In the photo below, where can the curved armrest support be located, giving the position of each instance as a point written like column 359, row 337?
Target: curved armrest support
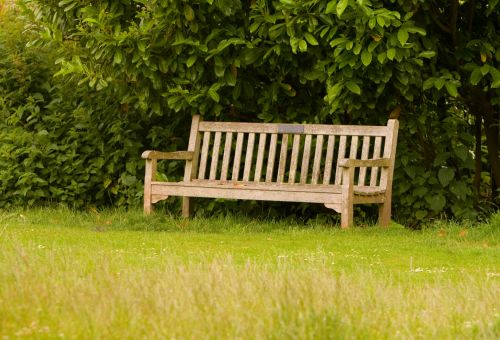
column 356, row 163
column 181, row 155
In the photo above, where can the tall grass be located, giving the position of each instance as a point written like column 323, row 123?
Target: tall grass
column 91, row 277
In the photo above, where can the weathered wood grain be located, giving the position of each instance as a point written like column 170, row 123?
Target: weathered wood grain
column 340, row 196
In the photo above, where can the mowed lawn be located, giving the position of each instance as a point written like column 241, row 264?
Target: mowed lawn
column 122, row 275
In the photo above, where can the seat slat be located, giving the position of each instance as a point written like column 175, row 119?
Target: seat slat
column 237, row 156
column 248, row 157
column 304, row 170
column 215, row 155
column 283, row 156
column 294, row 159
column 340, row 156
column 260, row 157
column 204, row 155
column 227, row 156
column 317, row 159
column 329, row 160
column 376, row 155
column 364, row 155
column 271, row 157
column 358, row 190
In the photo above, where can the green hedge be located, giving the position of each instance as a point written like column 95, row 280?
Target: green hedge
column 129, row 74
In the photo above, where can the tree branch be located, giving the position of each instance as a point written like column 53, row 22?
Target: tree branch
column 436, row 19
column 453, row 22
column 471, row 12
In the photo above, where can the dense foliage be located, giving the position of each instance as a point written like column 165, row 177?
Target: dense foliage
column 59, row 143
column 141, row 68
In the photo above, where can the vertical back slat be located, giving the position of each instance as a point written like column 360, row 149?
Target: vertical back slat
column 317, row 159
column 329, row 160
column 389, row 152
column 271, row 156
column 194, row 145
column 376, row 154
column 295, row 157
column 354, row 147
column 340, row 156
column 283, row 156
column 305, row 160
column 227, row 156
column 237, row 156
column 215, row 155
column 364, row 155
column 260, row 157
column 204, row 155
column 248, row 157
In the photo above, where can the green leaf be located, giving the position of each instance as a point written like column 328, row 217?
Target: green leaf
column 495, row 74
column 420, row 214
column 476, row 76
column 302, row 45
column 353, row 87
column 251, row 55
column 334, row 91
column 436, row 202
column 366, row 57
column 341, row 6
column 310, row 39
column 451, row 88
column 445, row 175
column 381, row 57
column 485, row 69
column 414, row 29
column 357, row 49
column 403, row 36
column 331, row 7
column 141, row 45
column 428, row 83
column 230, row 78
column 188, row 13
column 427, row 54
column 391, row 53
column 212, row 92
column 219, row 70
column 380, row 21
column 372, row 22
column 117, row 59
column 439, row 83
column 459, row 188
column 337, row 41
column 191, row 60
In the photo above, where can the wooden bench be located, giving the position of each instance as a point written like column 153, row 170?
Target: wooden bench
column 336, row 165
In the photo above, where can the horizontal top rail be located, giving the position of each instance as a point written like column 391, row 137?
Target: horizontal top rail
column 305, row 129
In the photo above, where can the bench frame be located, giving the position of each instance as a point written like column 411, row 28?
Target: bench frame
column 340, row 196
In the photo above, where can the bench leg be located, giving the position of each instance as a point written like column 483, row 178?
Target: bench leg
column 346, row 216
column 148, row 178
column 187, row 207
column 384, row 213
column 347, row 208
column 148, row 206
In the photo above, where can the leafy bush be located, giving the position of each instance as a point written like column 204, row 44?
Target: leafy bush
column 142, row 68
column 59, row 142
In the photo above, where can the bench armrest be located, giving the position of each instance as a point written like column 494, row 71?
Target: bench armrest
column 356, row 163
column 182, row 155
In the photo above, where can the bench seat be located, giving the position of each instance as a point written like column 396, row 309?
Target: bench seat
column 308, row 193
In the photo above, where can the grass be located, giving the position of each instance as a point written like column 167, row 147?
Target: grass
column 121, row 275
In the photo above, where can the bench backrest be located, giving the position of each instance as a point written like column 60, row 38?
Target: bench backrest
column 288, row 153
